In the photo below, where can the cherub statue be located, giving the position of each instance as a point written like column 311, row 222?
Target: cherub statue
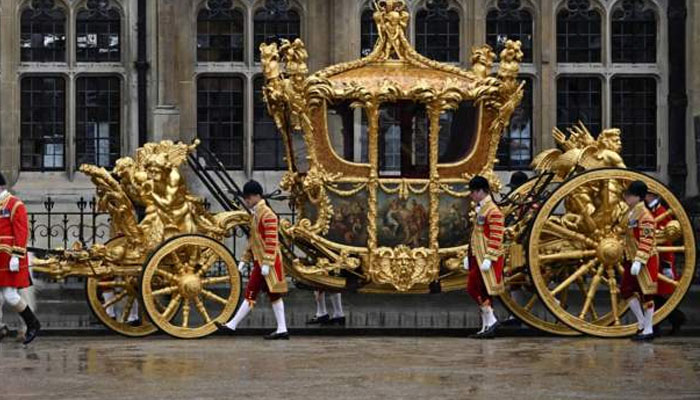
column 482, row 61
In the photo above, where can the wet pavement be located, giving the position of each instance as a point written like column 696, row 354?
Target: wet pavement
column 312, row 367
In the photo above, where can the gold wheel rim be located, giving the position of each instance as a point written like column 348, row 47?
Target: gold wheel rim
column 117, row 323
column 94, row 287
column 598, row 272
column 181, row 294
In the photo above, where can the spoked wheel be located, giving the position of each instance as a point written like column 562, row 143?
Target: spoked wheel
column 575, row 251
column 115, row 302
column 520, row 296
column 189, row 282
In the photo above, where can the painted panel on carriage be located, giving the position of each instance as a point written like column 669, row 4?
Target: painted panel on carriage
column 454, row 219
column 402, row 221
column 349, row 221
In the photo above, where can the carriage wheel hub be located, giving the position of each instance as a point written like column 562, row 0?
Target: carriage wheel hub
column 610, row 251
column 190, row 285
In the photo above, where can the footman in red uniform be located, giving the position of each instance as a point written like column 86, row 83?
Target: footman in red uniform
column 667, row 263
column 267, row 274
column 641, row 265
column 484, row 260
column 14, row 266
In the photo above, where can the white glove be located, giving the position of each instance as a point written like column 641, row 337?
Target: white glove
column 486, row 265
column 636, row 267
column 265, row 270
column 668, row 272
column 14, row 264
column 465, row 263
column 241, row 266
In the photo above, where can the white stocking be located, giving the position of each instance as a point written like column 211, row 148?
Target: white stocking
column 278, row 308
column 337, row 304
column 637, row 311
column 489, row 317
column 320, row 303
column 134, row 312
column 648, row 320
column 108, row 296
column 240, row 314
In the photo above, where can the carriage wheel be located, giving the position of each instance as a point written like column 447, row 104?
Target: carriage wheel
column 575, row 252
column 189, row 282
column 112, row 300
column 520, row 296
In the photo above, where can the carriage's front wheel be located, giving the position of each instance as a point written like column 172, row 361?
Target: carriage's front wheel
column 189, row 282
column 114, row 300
column 576, row 250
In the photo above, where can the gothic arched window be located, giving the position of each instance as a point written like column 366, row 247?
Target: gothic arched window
column 509, row 21
column 369, row 34
column 578, row 33
column 633, row 32
column 43, row 32
column 43, row 127
column 220, row 117
column 220, row 36
column 275, row 20
column 98, row 120
column 437, row 31
column 635, row 114
column 98, row 32
column 579, row 98
column 268, row 148
column 515, row 149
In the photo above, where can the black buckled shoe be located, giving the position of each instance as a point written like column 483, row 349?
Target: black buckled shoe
column 319, row 320
column 489, row 333
column 4, row 332
column 335, row 321
column 643, row 338
column 224, row 329
column 277, row 336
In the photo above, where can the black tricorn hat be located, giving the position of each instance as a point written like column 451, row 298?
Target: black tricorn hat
column 637, row 188
column 252, row 188
column 3, row 182
column 517, row 179
column 479, row 183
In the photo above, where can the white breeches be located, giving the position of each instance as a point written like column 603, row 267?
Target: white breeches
column 13, row 299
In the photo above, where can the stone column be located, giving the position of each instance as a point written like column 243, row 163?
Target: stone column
column 166, row 116
column 344, row 36
column 677, row 97
column 9, row 91
column 547, row 112
column 318, row 31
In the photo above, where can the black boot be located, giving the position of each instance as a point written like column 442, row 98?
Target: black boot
column 677, row 319
column 32, row 323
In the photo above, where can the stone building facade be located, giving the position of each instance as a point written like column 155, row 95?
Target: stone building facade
column 89, row 80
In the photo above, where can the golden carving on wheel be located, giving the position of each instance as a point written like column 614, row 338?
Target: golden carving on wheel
column 397, row 217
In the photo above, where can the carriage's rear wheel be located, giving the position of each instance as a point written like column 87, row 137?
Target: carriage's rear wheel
column 115, row 302
column 189, row 282
column 575, row 251
column 520, row 296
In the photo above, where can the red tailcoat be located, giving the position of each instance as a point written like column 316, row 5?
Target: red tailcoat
column 668, row 259
column 640, row 245
column 263, row 249
column 486, row 243
column 13, row 242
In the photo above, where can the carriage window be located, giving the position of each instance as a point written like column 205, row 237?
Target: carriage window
column 300, row 153
column 347, row 129
column 403, row 140
column 457, row 133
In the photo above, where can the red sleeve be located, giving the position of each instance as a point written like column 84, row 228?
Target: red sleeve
column 268, row 232
column 496, row 227
column 19, row 225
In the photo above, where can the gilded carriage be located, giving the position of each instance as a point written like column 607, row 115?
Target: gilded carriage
column 379, row 153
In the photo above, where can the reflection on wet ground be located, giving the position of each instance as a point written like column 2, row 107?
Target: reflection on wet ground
column 350, row 368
